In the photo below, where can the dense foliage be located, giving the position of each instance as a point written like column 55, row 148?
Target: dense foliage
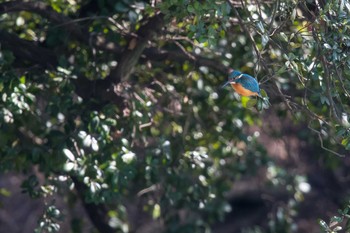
column 118, row 103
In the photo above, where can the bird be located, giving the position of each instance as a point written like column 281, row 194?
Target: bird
column 243, row 84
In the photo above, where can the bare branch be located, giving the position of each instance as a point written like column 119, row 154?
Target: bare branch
column 321, row 142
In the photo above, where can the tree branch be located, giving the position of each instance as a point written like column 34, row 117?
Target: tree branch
column 32, row 53
column 25, row 50
column 131, row 54
column 70, row 25
column 155, row 54
column 97, row 212
column 128, row 58
column 45, row 11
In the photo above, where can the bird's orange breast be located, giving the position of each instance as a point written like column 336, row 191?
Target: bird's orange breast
column 243, row 91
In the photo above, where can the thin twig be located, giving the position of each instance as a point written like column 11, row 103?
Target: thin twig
column 145, row 125
column 244, row 27
column 341, row 80
column 184, row 50
column 322, row 145
column 327, row 79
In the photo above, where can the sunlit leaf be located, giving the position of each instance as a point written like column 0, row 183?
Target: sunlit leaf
column 69, row 154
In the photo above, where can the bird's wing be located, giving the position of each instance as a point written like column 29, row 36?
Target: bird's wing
column 250, row 83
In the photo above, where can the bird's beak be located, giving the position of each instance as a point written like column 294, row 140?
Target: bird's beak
column 227, row 83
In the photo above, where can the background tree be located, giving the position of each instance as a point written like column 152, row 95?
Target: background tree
column 117, row 104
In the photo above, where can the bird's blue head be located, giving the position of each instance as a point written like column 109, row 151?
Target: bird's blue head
column 233, row 75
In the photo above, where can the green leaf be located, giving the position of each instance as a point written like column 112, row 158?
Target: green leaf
column 68, row 166
column 121, row 7
column 259, row 105
column 244, row 100
column 264, row 40
column 324, row 100
column 4, row 192
column 69, row 154
column 132, row 16
column 284, row 37
column 324, row 225
column 22, row 79
column 327, row 46
column 190, row 8
column 263, row 93
column 293, row 15
column 336, row 219
column 261, row 27
column 251, row 103
column 156, row 211
column 345, row 142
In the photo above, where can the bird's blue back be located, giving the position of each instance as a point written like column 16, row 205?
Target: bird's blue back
column 248, row 82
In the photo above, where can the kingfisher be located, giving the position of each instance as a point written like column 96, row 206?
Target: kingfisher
column 243, row 84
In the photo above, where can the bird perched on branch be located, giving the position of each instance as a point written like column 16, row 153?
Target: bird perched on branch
column 243, row 84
